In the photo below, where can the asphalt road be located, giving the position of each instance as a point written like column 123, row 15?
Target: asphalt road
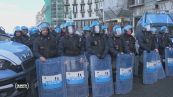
column 163, row 88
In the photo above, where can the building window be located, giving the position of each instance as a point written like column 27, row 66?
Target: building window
column 82, row 2
column 89, row 1
column 75, row 15
column 75, row 8
column 82, row 8
column 66, row 2
column 96, row 1
column 81, row 24
column 83, row 15
column 90, row 14
column 66, row 9
column 74, row 2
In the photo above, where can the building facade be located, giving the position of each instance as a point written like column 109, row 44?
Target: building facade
column 83, row 12
column 40, row 17
column 53, row 11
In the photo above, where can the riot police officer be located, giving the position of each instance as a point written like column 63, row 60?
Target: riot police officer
column 70, row 44
column 149, row 40
column 63, row 29
column 18, row 35
column 25, row 32
column 115, row 41
column 86, row 35
column 45, row 44
column 105, row 29
column 58, row 34
column 164, row 40
column 128, row 40
column 34, row 33
column 97, row 44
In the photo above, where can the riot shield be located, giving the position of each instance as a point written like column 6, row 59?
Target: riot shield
column 169, row 61
column 51, row 81
column 101, row 75
column 149, row 67
column 76, row 76
column 159, row 66
column 124, row 73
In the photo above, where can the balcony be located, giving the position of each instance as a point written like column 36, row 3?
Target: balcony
column 96, row 10
column 89, row 10
column 136, row 3
column 66, row 4
column 74, row 11
column 82, row 11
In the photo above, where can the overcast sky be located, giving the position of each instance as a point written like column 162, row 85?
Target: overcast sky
column 18, row 12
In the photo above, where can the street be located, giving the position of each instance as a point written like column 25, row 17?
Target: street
column 163, row 88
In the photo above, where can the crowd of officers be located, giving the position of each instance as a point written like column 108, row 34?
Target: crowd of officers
column 96, row 39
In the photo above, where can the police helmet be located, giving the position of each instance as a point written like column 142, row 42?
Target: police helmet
column 57, row 29
column 127, row 28
column 43, row 26
column 86, row 28
column 24, row 28
column 95, row 23
column 117, row 30
column 164, row 29
column 33, row 31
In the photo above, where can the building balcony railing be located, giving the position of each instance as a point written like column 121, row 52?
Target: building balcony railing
column 96, row 10
column 82, row 11
column 136, row 3
column 66, row 4
column 74, row 11
column 89, row 10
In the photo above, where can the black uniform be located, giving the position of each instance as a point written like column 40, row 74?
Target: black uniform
column 21, row 39
column 32, row 39
column 97, row 45
column 45, row 46
column 128, row 44
column 163, row 42
column 71, row 45
column 148, row 42
column 116, row 45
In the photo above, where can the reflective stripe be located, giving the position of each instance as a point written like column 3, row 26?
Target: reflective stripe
column 10, row 57
column 6, row 86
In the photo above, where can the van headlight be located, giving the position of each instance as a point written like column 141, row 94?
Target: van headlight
column 8, row 65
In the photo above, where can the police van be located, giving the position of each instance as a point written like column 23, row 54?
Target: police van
column 154, row 19
column 17, row 70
